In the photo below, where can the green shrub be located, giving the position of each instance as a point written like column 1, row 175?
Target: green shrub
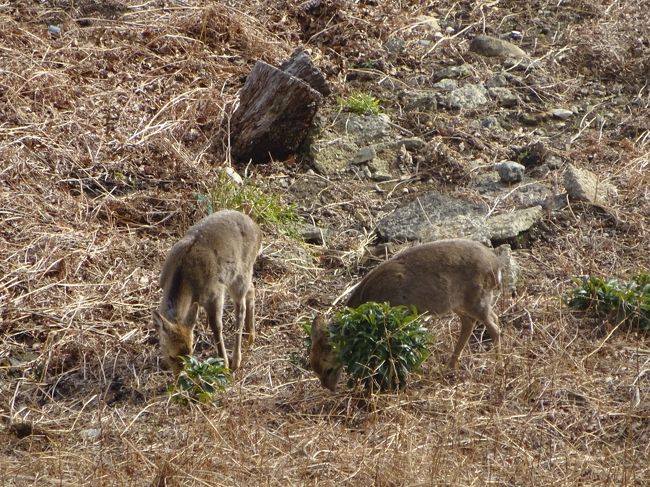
column 268, row 209
column 200, row 381
column 380, row 345
column 360, row 103
column 625, row 300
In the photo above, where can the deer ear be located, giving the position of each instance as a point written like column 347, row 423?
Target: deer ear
column 318, row 328
column 162, row 324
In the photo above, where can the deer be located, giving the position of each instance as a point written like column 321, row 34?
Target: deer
column 437, row 277
column 214, row 257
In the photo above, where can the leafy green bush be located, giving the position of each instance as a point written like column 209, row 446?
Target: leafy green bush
column 200, row 381
column 268, row 209
column 380, row 345
column 626, row 300
column 360, row 103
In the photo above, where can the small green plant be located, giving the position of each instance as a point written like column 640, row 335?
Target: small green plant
column 380, row 345
column 200, row 381
column 360, row 103
column 268, row 209
column 626, row 300
column 299, row 358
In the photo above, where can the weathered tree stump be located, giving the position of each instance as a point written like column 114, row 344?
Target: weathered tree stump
column 276, row 109
column 300, row 66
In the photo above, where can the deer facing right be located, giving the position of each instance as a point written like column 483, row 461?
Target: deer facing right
column 447, row 275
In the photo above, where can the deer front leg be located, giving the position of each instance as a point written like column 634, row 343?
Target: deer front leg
column 249, row 323
column 215, row 320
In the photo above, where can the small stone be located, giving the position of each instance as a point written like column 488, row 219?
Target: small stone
column 428, row 22
column 490, row 123
column 584, row 185
column 363, row 155
column 313, row 234
column 233, row 175
column 498, row 81
column 504, row 96
column 467, row 97
column 394, row 45
column 493, row 47
column 532, row 119
column 553, row 161
column 410, row 143
column 510, row 171
column 446, row 85
column 562, row 113
column 90, row 433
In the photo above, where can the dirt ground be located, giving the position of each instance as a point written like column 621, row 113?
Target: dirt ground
column 113, row 124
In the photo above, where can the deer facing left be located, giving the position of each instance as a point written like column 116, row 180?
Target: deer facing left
column 215, row 257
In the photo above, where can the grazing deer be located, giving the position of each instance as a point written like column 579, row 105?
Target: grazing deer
column 438, row 277
column 215, row 255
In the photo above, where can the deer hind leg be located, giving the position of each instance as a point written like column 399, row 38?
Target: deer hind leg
column 466, row 329
column 215, row 320
column 249, row 322
column 482, row 311
column 240, row 319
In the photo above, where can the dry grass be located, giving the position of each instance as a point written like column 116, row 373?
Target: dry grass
column 107, row 132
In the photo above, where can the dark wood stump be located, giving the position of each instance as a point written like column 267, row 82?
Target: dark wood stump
column 300, row 66
column 275, row 112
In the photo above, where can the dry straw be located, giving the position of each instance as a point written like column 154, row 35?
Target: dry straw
column 109, row 128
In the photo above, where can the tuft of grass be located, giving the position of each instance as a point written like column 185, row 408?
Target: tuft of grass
column 380, row 345
column 360, row 103
column 626, row 300
column 268, row 209
column 200, row 381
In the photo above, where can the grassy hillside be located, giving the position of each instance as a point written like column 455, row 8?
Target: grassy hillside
column 113, row 134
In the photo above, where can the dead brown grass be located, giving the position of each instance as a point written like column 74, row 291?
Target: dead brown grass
column 109, row 129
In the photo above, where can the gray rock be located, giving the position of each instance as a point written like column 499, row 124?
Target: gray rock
column 518, row 64
column 583, row 185
column 453, row 72
column 394, row 45
column 380, row 168
column 523, row 196
column 419, row 100
column 504, row 96
column 364, row 128
column 434, row 216
column 553, row 162
column 411, row 143
column 428, row 23
column 562, row 113
column 434, row 208
column 498, row 81
column 467, row 97
column 493, row 47
column 511, row 224
column 365, row 154
column 446, row 84
column 313, row 234
column 461, row 226
column 490, row 123
column 510, row 171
